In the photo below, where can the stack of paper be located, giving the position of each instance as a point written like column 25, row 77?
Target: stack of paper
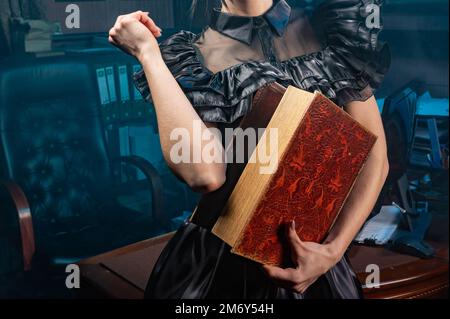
column 380, row 229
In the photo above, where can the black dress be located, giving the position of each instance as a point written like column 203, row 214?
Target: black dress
column 333, row 49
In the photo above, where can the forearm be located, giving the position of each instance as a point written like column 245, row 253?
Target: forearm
column 368, row 185
column 312, row 260
column 174, row 111
column 136, row 34
column 358, row 206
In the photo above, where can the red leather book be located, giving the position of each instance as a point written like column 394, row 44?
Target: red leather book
column 320, row 152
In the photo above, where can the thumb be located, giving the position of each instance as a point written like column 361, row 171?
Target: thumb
column 296, row 244
column 150, row 24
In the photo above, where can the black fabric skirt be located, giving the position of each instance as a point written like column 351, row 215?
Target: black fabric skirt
column 196, row 264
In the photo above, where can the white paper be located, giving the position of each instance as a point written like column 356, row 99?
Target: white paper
column 380, row 228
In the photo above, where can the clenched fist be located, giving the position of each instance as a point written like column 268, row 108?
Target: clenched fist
column 136, row 34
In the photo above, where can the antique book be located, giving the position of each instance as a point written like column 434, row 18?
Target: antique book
column 264, row 104
column 320, row 152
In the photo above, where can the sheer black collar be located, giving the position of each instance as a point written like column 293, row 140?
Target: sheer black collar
column 241, row 28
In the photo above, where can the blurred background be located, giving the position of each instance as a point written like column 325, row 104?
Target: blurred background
column 80, row 150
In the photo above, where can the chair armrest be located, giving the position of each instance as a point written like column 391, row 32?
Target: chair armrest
column 155, row 181
column 21, row 207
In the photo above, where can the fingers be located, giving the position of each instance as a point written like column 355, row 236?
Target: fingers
column 114, row 43
column 150, row 24
column 140, row 16
column 301, row 288
column 284, row 277
column 137, row 14
column 295, row 242
column 144, row 18
column 279, row 273
column 112, row 35
column 289, row 278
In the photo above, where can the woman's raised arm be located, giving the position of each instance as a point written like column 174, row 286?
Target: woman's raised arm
column 136, row 34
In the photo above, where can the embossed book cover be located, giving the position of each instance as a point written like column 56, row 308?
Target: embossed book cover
column 321, row 151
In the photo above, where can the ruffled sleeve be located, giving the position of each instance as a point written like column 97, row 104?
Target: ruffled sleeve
column 353, row 57
column 217, row 97
column 181, row 59
column 351, row 64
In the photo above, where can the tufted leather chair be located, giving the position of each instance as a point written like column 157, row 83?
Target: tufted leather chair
column 53, row 154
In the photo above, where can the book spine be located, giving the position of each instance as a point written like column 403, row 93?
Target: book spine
column 235, row 249
column 239, row 208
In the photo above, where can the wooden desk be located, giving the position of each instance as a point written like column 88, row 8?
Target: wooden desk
column 123, row 273
column 402, row 276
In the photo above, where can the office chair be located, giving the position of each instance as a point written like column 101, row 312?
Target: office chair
column 398, row 118
column 57, row 196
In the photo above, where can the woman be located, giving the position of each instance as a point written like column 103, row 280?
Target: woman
column 210, row 77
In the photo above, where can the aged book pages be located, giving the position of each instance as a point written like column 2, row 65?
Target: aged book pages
column 244, row 199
